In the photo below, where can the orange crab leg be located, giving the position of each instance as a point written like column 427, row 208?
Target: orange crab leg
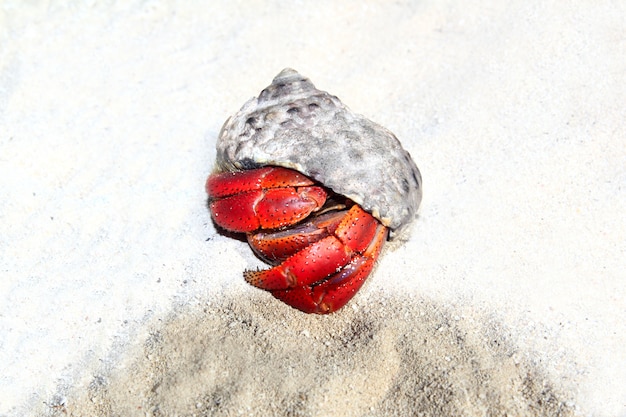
column 334, row 293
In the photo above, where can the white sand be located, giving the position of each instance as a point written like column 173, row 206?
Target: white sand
column 507, row 296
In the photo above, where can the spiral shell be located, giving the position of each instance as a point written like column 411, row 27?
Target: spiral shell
column 294, row 125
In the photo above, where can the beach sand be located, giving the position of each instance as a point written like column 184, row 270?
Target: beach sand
column 505, row 296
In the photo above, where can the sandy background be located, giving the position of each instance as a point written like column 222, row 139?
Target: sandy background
column 117, row 296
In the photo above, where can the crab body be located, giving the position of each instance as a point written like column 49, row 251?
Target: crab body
column 316, row 188
column 321, row 262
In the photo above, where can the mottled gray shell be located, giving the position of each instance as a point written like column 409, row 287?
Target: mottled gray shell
column 294, row 125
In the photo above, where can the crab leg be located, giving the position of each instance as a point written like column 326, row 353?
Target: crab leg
column 323, row 258
column 334, row 293
column 276, row 246
column 315, row 262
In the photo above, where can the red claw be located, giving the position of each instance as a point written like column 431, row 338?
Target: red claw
column 232, row 183
column 266, row 198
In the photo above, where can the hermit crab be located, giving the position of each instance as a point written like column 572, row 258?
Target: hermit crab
column 316, row 189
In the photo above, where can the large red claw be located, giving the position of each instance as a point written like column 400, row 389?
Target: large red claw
column 267, row 198
column 237, row 212
column 286, row 206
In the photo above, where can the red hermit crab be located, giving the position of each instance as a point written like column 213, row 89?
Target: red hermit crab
column 316, row 188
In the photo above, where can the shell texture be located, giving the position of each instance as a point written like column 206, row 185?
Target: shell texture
column 294, row 125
